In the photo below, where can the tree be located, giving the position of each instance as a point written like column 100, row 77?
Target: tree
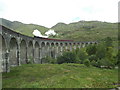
column 101, row 51
column 86, row 62
column 108, row 42
column 67, row 57
column 93, row 57
column 91, row 49
column 109, row 52
column 82, row 55
column 118, row 58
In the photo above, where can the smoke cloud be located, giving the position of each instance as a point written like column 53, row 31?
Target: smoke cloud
column 38, row 34
column 50, row 32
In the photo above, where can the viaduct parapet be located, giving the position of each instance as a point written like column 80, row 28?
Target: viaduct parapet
column 17, row 49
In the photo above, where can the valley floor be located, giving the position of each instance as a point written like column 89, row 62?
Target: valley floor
column 59, row 76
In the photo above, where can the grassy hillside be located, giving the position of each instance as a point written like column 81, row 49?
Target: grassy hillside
column 26, row 29
column 87, row 30
column 60, row 76
column 78, row 31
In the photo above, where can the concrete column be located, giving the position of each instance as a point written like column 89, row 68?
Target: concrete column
column 41, row 55
column 45, row 51
column 83, row 45
column 42, row 52
column 53, row 52
column 79, row 46
column 48, row 51
column 7, row 61
column 88, row 43
column 57, row 51
column 27, row 54
column 18, row 55
column 18, row 52
column 74, row 47
column 66, row 47
column 61, row 50
column 70, row 47
column 1, row 59
column 33, row 51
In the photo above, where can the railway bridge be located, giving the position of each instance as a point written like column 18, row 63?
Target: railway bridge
column 17, row 49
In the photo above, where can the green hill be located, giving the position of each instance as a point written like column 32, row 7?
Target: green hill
column 87, row 30
column 22, row 28
column 78, row 31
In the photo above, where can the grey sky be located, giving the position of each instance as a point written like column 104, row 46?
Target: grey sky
column 50, row 12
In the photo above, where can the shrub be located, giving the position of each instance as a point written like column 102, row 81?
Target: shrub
column 43, row 60
column 50, row 60
column 30, row 61
column 98, row 63
column 86, row 62
column 93, row 57
column 67, row 57
column 76, row 51
column 108, row 42
column 101, row 51
column 91, row 49
column 109, row 52
column 105, row 63
column 94, row 63
column 77, row 60
column 82, row 55
column 118, row 58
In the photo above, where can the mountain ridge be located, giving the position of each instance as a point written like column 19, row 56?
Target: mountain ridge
column 78, row 31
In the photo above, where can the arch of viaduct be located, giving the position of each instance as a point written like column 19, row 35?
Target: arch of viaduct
column 20, row 49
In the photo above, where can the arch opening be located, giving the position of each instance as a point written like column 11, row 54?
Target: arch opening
column 42, row 50
column 48, row 49
column 57, row 49
column 52, row 50
column 66, row 47
column 61, row 48
column 37, row 53
column 30, row 51
column 70, row 46
column 13, row 56
column 23, row 52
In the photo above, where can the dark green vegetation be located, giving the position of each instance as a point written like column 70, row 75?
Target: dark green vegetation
column 78, row 31
column 60, row 76
column 101, row 55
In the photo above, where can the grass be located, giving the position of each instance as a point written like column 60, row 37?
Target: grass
column 59, row 76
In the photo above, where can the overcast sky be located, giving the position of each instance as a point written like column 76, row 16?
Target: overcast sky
column 50, row 12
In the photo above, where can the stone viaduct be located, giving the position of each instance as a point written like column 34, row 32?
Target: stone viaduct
column 17, row 49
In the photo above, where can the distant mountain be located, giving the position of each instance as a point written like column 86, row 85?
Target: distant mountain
column 22, row 28
column 86, row 30
column 78, row 31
